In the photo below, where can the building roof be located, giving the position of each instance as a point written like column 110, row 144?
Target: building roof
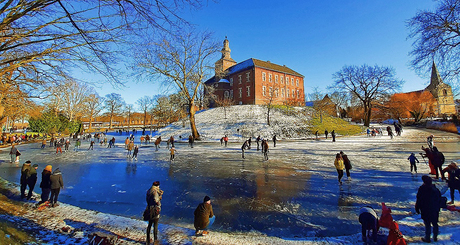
column 249, row 63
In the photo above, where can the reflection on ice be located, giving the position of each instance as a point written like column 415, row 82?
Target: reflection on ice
column 294, row 194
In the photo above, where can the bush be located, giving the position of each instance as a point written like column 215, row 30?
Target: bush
column 444, row 126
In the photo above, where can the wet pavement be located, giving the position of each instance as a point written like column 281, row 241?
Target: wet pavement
column 293, row 194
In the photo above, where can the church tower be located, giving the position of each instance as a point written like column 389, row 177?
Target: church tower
column 442, row 93
column 225, row 61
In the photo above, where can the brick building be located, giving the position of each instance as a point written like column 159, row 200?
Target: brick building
column 254, row 82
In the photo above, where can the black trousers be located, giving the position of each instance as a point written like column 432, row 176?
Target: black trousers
column 45, row 194
column 153, row 222
column 31, row 189
column 54, row 195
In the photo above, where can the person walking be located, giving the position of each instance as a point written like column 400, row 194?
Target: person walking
column 24, row 175
column 326, row 133
column 338, row 162
column 333, row 135
column 56, row 184
column 13, row 153
column 91, row 145
column 430, row 142
column 347, row 164
column 43, row 143
column 173, row 151
column 453, row 179
column 190, row 141
column 412, row 159
column 430, row 155
column 153, row 198
column 32, row 180
column 438, row 161
column 171, row 140
column 77, row 145
column 225, row 140
column 45, row 185
column 429, row 204
column 274, row 140
column 67, row 144
column 258, row 142
column 204, row 217
column 316, row 134
column 58, row 147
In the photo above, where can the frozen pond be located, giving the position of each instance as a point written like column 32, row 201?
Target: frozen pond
column 294, row 194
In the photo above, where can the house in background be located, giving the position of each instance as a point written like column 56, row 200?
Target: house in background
column 254, row 82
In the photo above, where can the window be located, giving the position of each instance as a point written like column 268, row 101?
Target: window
column 247, row 77
column 282, row 79
column 298, row 94
column 264, row 77
column 287, row 80
column 297, row 82
column 239, row 79
column 276, row 92
column 444, row 92
column 282, row 92
column 240, row 91
column 231, row 82
column 264, row 91
column 226, row 94
column 287, row 92
column 270, row 77
column 276, row 78
column 270, row 91
column 248, row 91
column 293, row 93
column 292, row 81
column 231, row 94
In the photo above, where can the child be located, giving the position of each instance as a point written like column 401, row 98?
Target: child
column 172, row 150
column 412, row 160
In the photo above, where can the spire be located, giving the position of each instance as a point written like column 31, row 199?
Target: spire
column 226, row 50
column 435, row 77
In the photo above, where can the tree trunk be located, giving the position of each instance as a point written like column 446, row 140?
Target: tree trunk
column 111, row 121
column 191, row 114
column 367, row 115
column 90, row 123
column 268, row 115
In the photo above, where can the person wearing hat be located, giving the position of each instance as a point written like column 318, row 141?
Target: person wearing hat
column 453, row 181
column 46, row 184
column 204, row 216
column 429, row 204
column 24, row 173
column 32, row 180
column 56, row 184
column 154, row 196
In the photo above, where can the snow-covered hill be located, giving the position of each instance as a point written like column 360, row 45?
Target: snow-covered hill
column 243, row 121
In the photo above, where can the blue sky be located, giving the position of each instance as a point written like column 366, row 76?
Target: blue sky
column 313, row 37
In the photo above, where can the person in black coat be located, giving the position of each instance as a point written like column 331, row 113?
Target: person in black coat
column 24, row 175
column 347, row 164
column 32, row 180
column 438, row 161
column 429, row 204
column 453, row 181
column 46, row 184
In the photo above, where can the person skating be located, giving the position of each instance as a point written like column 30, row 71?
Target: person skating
column 32, row 180
column 171, row 140
column 265, row 149
column 333, row 135
column 326, row 133
column 153, row 198
column 91, row 145
column 428, row 203
column 13, row 152
column 369, row 221
column 338, row 163
column 157, row 143
column 77, row 145
column 274, row 140
column 258, row 142
column 204, row 217
column 222, row 141
column 130, row 148
column 316, row 134
column 45, row 185
column 190, row 141
column 172, row 152
column 438, row 161
column 24, row 176
column 243, row 148
column 390, row 132
column 453, row 179
column 430, row 155
column 66, row 145
column 43, row 143
column 225, row 140
column 56, row 184
column 412, row 159
column 135, row 152
column 126, row 142
column 347, row 164
column 430, row 142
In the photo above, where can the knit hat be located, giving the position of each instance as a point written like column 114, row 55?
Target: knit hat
column 28, row 161
column 427, row 180
column 49, row 168
column 206, row 198
column 156, row 183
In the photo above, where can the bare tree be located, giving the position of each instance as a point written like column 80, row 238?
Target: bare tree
column 145, row 105
column 181, row 58
column 320, row 107
column 93, row 105
column 114, row 105
column 225, row 103
column 129, row 110
column 436, row 36
column 74, row 96
column 367, row 83
column 41, row 39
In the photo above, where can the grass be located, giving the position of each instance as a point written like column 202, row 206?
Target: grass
column 340, row 126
